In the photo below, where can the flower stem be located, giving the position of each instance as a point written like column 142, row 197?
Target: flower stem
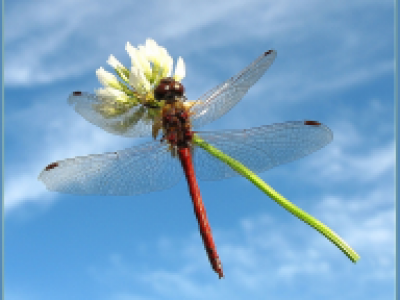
column 298, row 212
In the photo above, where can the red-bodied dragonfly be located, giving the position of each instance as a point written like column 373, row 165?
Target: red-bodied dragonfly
column 158, row 164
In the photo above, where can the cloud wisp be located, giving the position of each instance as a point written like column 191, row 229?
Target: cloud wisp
column 49, row 45
column 265, row 253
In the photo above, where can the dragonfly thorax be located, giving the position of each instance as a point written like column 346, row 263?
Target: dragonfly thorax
column 169, row 90
column 176, row 125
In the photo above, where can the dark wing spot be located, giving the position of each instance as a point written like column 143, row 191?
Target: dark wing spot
column 51, row 166
column 77, row 93
column 268, row 52
column 315, row 123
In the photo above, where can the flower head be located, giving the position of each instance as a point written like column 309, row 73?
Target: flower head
column 149, row 64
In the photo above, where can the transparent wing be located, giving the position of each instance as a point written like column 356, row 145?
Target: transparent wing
column 218, row 101
column 141, row 169
column 118, row 118
column 260, row 148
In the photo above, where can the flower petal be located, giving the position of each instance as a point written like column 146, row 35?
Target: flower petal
column 165, row 62
column 152, row 51
column 144, row 63
column 138, row 80
column 113, row 62
column 106, row 78
column 119, row 68
column 109, row 92
column 180, row 71
column 132, row 51
column 139, row 59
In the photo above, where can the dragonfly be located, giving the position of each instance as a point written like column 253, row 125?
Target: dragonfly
column 158, row 164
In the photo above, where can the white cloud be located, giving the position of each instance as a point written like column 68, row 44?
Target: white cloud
column 32, row 37
column 362, row 151
column 71, row 34
column 291, row 270
column 264, row 252
column 63, row 135
column 23, row 189
column 342, row 166
column 303, row 85
column 48, row 41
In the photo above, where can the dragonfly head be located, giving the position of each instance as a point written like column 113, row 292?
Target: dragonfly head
column 169, row 90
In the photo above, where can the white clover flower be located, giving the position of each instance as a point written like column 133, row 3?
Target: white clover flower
column 154, row 62
column 150, row 63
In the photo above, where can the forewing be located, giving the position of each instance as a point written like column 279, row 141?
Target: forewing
column 218, row 101
column 260, row 148
column 141, row 169
column 118, row 118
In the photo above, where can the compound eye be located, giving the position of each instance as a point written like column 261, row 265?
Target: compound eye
column 161, row 90
column 168, row 89
column 179, row 89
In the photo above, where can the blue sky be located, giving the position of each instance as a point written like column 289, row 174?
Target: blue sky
column 334, row 64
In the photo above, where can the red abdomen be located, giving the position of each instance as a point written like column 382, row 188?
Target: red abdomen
column 205, row 230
